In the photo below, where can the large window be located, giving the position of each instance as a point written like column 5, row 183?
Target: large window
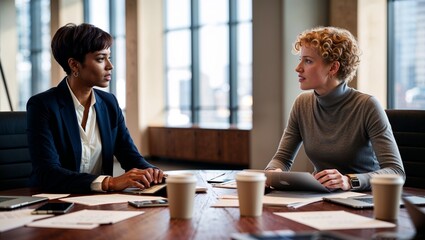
column 406, row 54
column 110, row 17
column 208, row 62
column 33, row 56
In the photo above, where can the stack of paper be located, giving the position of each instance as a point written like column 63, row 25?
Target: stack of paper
column 85, row 219
column 18, row 218
column 282, row 198
column 334, row 220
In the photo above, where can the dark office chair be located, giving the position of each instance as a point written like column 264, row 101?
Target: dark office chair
column 409, row 132
column 15, row 162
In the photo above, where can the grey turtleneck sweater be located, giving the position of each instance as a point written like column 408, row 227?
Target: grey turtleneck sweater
column 345, row 130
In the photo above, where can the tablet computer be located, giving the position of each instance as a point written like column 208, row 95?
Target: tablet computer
column 367, row 201
column 294, row 181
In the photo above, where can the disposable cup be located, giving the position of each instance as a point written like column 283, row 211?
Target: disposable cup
column 386, row 191
column 250, row 187
column 181, row 194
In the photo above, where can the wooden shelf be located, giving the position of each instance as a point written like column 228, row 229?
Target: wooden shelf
column 223, row 146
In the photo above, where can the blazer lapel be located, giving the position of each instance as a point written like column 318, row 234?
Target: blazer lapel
column 104, row 125
column 69, row 118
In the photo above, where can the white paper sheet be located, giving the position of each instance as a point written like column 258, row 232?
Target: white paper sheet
column 228, row 184
column 299, row 199
column 232, row 201
column 14, row 219
column 282, row 198
column 99, row 199
column 85, row 219
column 296, row 195
column 334, row 220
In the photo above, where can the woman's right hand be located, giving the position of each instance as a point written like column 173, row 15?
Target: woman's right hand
column 272, row 170
column 140, row 178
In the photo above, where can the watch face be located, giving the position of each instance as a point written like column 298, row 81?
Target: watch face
column 355, row 183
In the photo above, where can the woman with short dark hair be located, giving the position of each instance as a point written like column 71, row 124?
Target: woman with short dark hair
column 76, row 130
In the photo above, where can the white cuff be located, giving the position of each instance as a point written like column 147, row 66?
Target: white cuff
column 96, row 185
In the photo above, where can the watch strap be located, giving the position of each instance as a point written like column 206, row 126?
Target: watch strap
column 354, row 181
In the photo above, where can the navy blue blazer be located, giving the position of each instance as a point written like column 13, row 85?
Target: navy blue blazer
column 55, row 144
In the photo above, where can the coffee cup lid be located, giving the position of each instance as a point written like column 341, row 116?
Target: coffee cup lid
column 387, row 179
column 250, row 176
column 181, row 178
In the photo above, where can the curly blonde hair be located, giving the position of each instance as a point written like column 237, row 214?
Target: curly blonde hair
column 333, row 44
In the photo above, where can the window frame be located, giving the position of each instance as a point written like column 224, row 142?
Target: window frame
column 392, row 98
column 115, row 33
column 194, row 28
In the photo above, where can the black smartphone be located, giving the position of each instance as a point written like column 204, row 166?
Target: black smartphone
column 53, row 208
column 219, row 179
column 149, row 203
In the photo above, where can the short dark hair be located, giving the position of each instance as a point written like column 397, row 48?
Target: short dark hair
column 75, row 41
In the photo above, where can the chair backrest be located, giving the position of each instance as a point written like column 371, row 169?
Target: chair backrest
column 409, row 132
column 15, row 162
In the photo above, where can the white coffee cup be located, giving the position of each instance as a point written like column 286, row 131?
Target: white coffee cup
column 250, row 187
column 386, row 191
column 181, row 190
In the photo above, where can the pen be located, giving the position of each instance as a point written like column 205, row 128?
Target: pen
column 218, row 176
column 93, row 223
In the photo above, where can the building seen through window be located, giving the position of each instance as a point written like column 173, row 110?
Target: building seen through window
column 34, row 58
column 208, row 46
column 208, row 68
column 406, row 69
column 110, row 17
column 208, row 56
column 33, row 55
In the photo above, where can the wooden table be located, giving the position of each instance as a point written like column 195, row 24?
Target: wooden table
column 207, row 222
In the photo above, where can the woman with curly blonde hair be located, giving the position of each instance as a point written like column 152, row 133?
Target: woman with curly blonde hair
column 346, row 134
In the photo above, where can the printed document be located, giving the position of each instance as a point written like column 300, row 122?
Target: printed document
column 85, row 219
column 334, row 220
column 284, row 198
column 99, row 199
column 14, row 219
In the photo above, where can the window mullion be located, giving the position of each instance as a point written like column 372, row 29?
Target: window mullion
column 36, row 48
column 390, row 62
column 233, row 74
column 195, row 100
column 113, row 31
column 86, row 10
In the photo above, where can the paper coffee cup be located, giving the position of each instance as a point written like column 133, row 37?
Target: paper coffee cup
column 250, row 187
column 181, row 194
column 386, row 191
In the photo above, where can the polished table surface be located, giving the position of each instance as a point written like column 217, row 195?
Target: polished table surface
column 207, row 222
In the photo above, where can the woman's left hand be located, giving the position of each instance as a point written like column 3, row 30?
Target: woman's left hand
column 332, row 178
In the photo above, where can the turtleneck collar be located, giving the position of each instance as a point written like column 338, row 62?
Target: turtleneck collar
column 335, row 96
